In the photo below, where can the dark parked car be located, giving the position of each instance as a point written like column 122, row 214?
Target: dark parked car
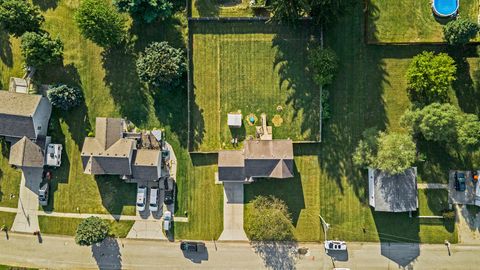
column 460, row 180
column 192, row 246
column 169, row 191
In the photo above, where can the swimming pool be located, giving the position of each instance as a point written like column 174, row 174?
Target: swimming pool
column 445, row 8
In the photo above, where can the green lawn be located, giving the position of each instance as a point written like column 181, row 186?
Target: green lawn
column 9, row 179
column 215, row 8
column 7, row 219
column 410, row 20
column 203, row 200
column 252, row 68
column 68, row 226
column 432, row 202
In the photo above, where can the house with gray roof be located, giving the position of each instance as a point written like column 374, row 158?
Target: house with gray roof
column 393, row 193
column 115, row 151
column 258, row 159
column 23, row 115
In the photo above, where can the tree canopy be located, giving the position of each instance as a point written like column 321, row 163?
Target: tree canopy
column 64, row 97
column 39, row 49
column 430, row 76
column 460, row 31
column 444, row 123
column 288, row 11
column 161, row 64
column 269, row 220
column 328, row 12
column 20, row 16
column 145, row 10
column 396, row 152
column 324, row 64
column 100, row 22
column 90, row 231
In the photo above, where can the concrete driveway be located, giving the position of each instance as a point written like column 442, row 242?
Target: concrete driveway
column 461, row 197
column 233, row 213
column 26, row 219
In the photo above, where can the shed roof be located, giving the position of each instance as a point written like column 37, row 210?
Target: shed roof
column 234, row 119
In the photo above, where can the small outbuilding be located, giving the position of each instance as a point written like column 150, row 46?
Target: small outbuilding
column 393, row 193
column 234, row 120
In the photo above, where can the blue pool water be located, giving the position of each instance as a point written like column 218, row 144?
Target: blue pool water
column 445, row 7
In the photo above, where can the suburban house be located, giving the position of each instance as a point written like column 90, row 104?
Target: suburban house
column 393, row 193
column 258, row 159
column 24, row 123
column 23, row 115
column 116, row 151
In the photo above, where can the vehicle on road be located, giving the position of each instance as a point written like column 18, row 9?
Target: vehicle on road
column 167, row 220
column 189, row 246
column 43, row 194
column 54, row 155
column 460, row 181
column 153, row 204
column 169, row 191
column 141, row 197
column 335, row 245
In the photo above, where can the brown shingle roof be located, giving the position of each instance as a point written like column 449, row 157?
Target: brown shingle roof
column 18, row 104
column 26, row 153
column 145, row 164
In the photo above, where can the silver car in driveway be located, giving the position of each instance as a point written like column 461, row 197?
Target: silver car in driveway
column 141, row 198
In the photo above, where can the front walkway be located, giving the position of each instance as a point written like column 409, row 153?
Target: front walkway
column 26, row 219
column 233, row 213
column 432, row 186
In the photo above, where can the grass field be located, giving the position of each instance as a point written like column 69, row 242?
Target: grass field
column 68, row 226
column 231, row 8
column 7, row 219
column 410, row 20
column 252, row 68
column 9, row 179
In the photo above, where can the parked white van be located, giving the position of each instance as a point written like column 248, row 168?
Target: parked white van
column 141, row 197
column 153, row 205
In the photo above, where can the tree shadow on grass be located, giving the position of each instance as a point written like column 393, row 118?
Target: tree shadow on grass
column 276, row 255
column 6, row 54
column 126, row 89
column 115, row 193
column 466, row 90
column 197, row 123
column 291, row 63
column 45, row 5
column 288, row 190
column 169, row 30
column 170, row 108
column 396, row 227
column 206, row 8
column 107, row 254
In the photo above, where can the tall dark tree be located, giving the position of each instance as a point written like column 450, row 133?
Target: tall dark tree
column 161, row 64
column 327, row 12
column 20, row 16
column 100, row 22
column 39, row 49
column 145, row 10
column 288, row 11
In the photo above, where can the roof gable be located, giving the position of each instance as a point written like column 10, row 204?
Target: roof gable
column 26, row 153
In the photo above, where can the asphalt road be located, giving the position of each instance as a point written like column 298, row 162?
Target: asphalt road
column 62, row 252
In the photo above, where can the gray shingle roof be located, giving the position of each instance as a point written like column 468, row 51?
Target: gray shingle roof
column 26, row 153
column 145, row 164
column 396, row 193
column 272, row 159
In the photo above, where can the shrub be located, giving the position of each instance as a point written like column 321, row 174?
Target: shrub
column 99, row 22
column 324, row 64
column 39, row 49
column 64, row 97
column 448, row 214
column 90, row 231
column 269, row 220
column 430, row 76
column 460, row 31
column 20, row 16
column 145, row 10
column 161, row 64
